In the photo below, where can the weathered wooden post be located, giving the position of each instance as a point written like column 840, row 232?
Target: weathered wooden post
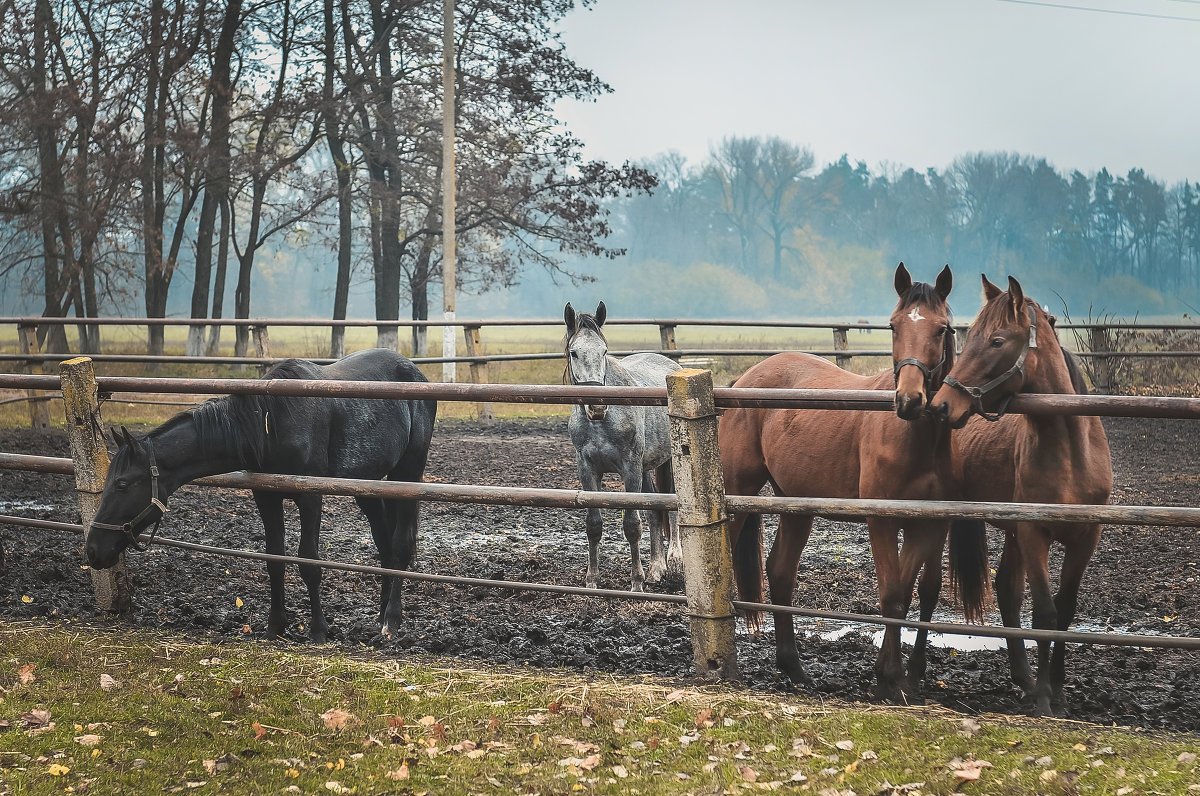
column 90, row 455
column 479, row 370
column 841, row 342
column 1103, row 377
column 262, row 345
column 39, row 404
column 703, row 524
column 666, row 336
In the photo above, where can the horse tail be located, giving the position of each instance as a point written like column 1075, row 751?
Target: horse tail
column 969, row 567
column 748, row 568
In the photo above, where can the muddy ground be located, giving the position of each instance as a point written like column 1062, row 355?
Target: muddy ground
column 1143, row 579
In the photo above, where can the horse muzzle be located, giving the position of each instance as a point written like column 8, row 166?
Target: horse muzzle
column 595, row 412
column 102, row 555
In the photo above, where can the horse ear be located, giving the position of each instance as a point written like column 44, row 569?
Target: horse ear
column 127, row 438
column 990, row 291
column 601, row 313
column 110, row 442
column 903, row 280
column 1017, row 295
column 569, row 317
column 944, row 283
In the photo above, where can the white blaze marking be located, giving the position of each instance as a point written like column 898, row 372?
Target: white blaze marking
column 916, row 315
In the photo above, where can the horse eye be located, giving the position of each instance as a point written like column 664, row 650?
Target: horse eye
column 997, row 342
column 941, row 332
column 574, row 354
column 122, row 483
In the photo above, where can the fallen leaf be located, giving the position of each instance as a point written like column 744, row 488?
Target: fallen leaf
column 1187, row 758
column 107, row 682
column 245, row 628
column 748, row 774
column 398, row 774
column 87, row 740
column 260, row 731
column 25, row 598
column 493, row 723
column 337, row 719
column 1049, row 775
column 25, row 673
column 845, row 746
column 55, row 770
column 620, row 772
column 555, row 706
column 438, row 731
column 238, row 602
column 970, row 770
column 969, row 727
column 36, row 718
column 703, row 719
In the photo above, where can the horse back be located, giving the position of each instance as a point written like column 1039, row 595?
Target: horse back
column 351, row 437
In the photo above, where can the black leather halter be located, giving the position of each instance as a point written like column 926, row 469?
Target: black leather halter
column 155, row 505
column 930, row 372
column 977, row 393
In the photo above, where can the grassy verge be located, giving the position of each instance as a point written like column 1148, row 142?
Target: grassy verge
column 183, row 717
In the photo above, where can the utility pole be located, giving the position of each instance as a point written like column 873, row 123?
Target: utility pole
column 449, row 339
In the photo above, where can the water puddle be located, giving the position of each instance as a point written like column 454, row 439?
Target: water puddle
column 13, row 506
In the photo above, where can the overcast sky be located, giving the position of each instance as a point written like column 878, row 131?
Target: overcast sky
column 898, row 82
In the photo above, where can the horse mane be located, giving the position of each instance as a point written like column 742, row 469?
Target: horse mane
column 1078, row 383
column 239, row 426
column 583, row 320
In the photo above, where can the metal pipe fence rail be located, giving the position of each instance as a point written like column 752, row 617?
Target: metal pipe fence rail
column 683, row 408
column 725, row 397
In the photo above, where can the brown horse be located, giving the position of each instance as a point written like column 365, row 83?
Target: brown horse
column 1012, row 347
column 840, row 454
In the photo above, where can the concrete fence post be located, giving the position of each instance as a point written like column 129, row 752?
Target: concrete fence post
column 1103, row 375
column 337, row 341
column 841, row 342
column 703, row 523
column 666, row 337
column 479, row 370
column 39, row 404
column 90, row 456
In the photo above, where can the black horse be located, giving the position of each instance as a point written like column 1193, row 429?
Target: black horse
column 337, row 437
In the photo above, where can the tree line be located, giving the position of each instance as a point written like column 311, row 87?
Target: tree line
column 758, row 227
column 139, row 139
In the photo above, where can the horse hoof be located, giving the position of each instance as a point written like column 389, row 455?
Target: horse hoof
column 656, row 572
column 793, row 671
column 636, row 586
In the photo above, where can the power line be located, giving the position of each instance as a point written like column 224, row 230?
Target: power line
column 1108, row 10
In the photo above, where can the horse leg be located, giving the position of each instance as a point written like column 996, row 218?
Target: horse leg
column 270, row 509
column 1035, row 548
column 782, row 565
column 895, row 594
column 658, row 553
column 631, row 524
column 1076, row 556
column 665, row 478
column 929, row 587
column 373, row 510
column 1010, row 591
column 589, row 478
column 402, row 519
column 309, row 505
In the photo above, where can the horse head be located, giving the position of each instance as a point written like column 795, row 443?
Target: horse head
column 131, row 501
column 586, row 350
column 999, row 354
column 922, row 339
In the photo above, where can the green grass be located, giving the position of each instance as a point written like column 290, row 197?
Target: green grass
column 245, row 717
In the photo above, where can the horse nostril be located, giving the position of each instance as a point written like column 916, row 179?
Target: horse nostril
column 942, row 411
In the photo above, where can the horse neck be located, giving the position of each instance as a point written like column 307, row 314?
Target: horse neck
column 919, row 439
column 615, row 374
column 182, row 456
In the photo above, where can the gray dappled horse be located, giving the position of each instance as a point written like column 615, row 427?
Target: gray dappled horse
column 632, row 441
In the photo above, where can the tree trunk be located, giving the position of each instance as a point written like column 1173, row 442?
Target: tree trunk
column 214, row 332
column 153, row 209
column 341, row 165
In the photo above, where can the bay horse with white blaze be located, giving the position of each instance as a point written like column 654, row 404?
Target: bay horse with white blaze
column 1012, row 347
column 631, row 441
column 844, row 454
column 333, row 437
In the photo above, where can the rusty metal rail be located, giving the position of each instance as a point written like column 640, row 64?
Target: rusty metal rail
column 726, row 397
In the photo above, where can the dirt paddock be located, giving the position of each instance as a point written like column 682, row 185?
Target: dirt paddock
column 1143, row 579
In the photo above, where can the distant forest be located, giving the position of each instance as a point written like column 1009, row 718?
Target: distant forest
column 757, row 230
